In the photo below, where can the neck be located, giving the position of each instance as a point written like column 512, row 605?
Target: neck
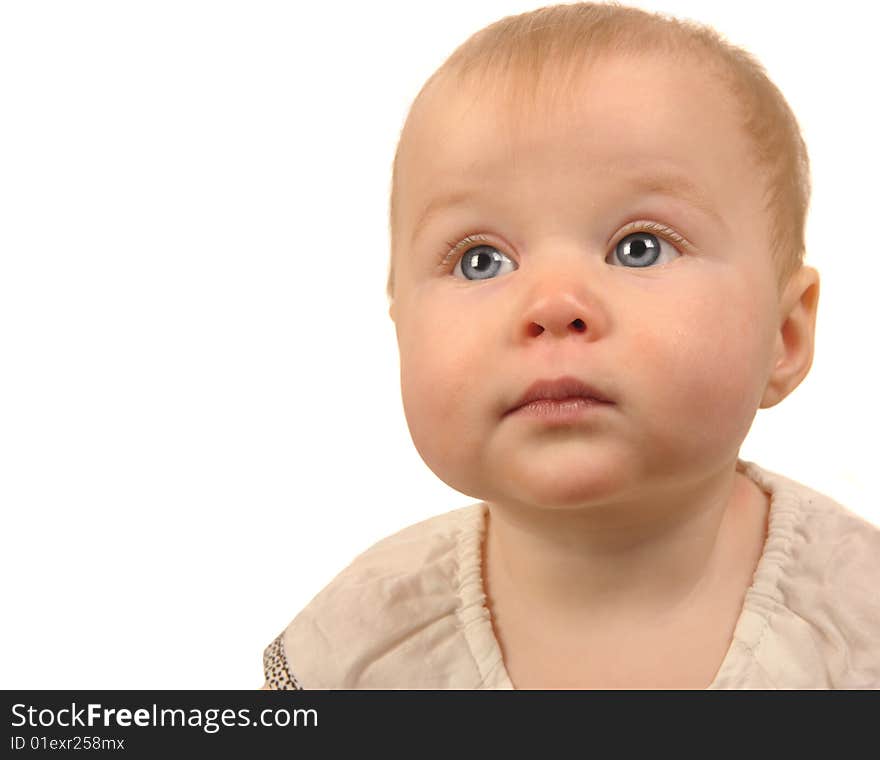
column 649, row 558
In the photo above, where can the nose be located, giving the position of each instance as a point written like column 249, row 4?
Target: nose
column 557, row 316
column 561, row 304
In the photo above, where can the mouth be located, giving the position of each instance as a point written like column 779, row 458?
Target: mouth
column 564, row 394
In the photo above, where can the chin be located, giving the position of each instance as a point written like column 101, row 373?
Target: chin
column 557, row 480
column 559, row 496
column 562, row 488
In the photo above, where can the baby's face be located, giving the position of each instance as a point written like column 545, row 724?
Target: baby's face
column 577, row 268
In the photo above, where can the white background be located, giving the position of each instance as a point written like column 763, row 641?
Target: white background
column 200, row 419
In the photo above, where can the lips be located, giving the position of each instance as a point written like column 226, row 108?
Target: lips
column 558, row 390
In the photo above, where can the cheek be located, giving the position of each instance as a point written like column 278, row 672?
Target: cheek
column 440, row 371
column 709, row 366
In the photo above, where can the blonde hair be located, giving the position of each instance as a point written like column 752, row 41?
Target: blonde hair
column 529, row 50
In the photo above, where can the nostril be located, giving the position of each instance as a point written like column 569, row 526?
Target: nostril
column 579, row 325
column 535, row 330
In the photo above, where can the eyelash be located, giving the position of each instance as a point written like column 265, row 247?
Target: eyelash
column 453, row 250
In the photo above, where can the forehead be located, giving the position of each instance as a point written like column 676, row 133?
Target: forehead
column 620, row 124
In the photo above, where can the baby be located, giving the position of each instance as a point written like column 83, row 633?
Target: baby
column 597, row 220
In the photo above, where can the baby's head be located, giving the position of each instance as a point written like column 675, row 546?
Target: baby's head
column 597, row 193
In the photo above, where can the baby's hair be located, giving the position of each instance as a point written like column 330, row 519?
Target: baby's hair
column 537, row 54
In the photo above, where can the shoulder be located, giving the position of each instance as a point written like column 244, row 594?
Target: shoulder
column 413, row 548
column 397, row 603
column 817, row 525
column 814, row 598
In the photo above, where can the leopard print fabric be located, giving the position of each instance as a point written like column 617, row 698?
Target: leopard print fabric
column 276, row 670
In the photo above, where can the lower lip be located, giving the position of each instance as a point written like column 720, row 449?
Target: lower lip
column 560, row 410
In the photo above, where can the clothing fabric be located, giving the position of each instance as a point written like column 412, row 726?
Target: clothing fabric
column 410, row 612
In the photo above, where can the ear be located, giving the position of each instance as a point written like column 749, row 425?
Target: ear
column 795, row 337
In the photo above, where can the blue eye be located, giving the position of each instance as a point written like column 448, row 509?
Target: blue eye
column 483, row 262
column 638, row 249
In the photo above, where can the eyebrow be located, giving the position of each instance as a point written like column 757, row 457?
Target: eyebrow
column 672, row 185
column 436, row 205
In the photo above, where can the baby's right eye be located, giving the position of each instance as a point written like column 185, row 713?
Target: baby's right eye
column 483, row 262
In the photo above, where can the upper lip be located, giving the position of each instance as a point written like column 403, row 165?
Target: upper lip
column 560, row 388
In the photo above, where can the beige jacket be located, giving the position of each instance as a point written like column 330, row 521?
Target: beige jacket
column 410, row 613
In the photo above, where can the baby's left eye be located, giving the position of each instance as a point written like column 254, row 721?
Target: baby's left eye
column 641, row 249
